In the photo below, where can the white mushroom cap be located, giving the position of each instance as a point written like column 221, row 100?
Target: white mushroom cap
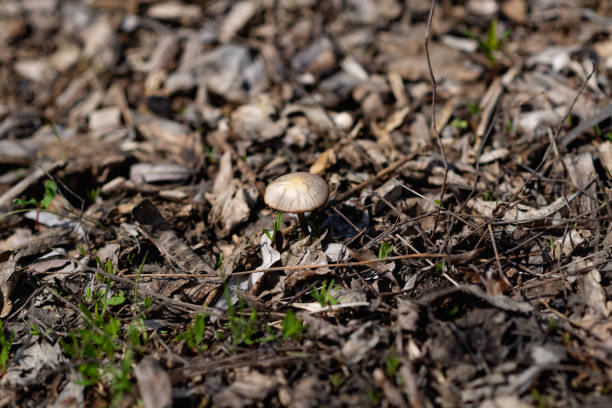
column 297, row 193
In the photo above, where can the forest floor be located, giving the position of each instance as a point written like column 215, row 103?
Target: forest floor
column 463, row 256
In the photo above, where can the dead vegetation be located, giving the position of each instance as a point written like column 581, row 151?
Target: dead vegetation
column 462, row 258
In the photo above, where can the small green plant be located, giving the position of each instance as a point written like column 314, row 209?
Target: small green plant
column 460, row 124
column 98, row 345
column 49, row 195
column 211, row 154
column 219, row 261
column 542, row 401
column 509, row 126
column 35, row 330
column 553, row 244
column 292, row 326
column 392, row 364
column 336, row 380
column 322, row 294
column 552, row 326
column 385, row 250
column 137, row 333
column 244, row 329
column 566, row 340
column 473, row 108
column 489, row 196
column 375, row 396
column 440, row 266
column 608, row 136
column 492, row 43
column 93, row 194
column 276, row 226
column 194, row 335
column 43, row 204
column 6, row 342
column 120, row 378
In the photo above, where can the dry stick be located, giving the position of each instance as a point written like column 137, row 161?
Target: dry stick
column 302, row 267
column 499, row 265
column 433, row 113
column 381, row 174
column 483, row 141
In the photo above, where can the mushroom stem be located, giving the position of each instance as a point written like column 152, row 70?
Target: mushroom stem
column 303, row 223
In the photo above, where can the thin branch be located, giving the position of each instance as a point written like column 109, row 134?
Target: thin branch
column 433, row 115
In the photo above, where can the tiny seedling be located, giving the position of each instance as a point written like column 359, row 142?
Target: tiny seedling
column 194, row 335
column 43, row 204
column 493, row 42
column 219, row 261
column 6, row 342
column 35, row 330
column 440, row 266
column 244, row 329
column 137, row 333
column 292, row 326
column 542, row 401
column 460, row 124
column 276, row 226
column 336, row 380
column 120, row 378
column 385, row 250
column 453, row 311
column 93, row 194
column 552, row 326
column 211, row 154
column 392, row 364
column 322, row 294
column 473, row 108
column 375, row 397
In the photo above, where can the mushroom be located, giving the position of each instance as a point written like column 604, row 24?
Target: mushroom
column 297, row 193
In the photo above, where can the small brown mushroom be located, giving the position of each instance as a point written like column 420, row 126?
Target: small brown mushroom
column 297, row 193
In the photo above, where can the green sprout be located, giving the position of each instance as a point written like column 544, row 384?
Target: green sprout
column 292, row 326
column 392, row 364
column 492, row 43
column 459, row 123
column 473, row 108
column 93, row 194
column 276, row 226
column 375, row 397
column 385, row 250
column 6, row 342
column 244, row 329
column 322, row 294
column 194, row 335
column 43, row 204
